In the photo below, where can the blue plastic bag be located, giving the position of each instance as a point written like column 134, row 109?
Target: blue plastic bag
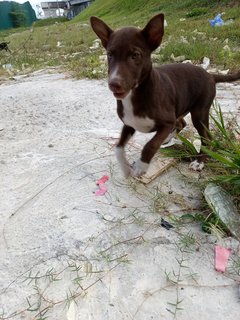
column 217, row 21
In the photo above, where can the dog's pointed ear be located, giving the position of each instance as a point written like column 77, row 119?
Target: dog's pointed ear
column 101, row 29
column 154, row 30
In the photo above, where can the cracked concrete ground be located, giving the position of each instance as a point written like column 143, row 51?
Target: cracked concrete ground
column 61, row 243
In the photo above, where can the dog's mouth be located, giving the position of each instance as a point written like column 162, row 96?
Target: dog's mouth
column 120, row 94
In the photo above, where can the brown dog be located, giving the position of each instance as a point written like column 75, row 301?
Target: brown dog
column 154, row 99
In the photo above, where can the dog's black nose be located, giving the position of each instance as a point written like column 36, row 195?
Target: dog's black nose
column 115, row 86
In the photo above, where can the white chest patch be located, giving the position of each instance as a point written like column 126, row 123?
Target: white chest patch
column 138, row 123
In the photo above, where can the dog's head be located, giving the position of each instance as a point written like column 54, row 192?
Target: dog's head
column 128, row 51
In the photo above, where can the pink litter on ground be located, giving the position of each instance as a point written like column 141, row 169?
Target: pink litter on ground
column 102, row 180
column 102, row 187
column 221, row 258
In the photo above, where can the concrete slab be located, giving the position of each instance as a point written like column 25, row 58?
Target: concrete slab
column 60, row 243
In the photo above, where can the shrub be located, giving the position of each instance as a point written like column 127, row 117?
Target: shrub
column 18, row 16
column 197, row 12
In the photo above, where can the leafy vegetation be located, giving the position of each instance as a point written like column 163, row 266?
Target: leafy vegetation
column 210, row 223
column 223, row 151
column 18, row 16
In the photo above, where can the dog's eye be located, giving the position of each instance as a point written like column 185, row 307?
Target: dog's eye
column 135, row 55
column 109, row 55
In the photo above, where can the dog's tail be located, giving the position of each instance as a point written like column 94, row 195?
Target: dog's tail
column 226, row 78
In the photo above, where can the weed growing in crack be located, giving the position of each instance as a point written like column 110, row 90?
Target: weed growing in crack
column 185, row 246
column 187, row 241
column 59, row 287
column 175, row 278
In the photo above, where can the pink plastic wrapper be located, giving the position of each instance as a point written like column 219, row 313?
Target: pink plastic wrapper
column 221, row 258
column 102, row 187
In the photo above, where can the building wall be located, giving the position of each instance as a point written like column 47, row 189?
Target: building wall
column 50, row 8
column 76, row 6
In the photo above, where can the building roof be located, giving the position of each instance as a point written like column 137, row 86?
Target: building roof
column 53, row 4
column 74, row 2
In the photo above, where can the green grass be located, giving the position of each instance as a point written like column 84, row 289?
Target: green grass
column 37, row 47
column 223, row 151
column 49, row 21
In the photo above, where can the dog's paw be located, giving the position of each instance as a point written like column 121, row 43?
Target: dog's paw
column 126, row 169
column 196, row 165
column 139, row 168
column 124, row 164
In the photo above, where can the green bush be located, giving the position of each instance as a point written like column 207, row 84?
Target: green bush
column 196, row 12
column 18, row 16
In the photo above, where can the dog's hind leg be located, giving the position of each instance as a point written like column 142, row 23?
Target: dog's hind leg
column 180, row 124
column 126, row 134
column 200, row 119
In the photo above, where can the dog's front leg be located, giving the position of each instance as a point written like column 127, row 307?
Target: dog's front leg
column 126, row 134
column 141, row 165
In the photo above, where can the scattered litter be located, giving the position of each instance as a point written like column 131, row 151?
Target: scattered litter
column 171, row 143
column 102, row 180
column 59, row 44
column 215, row 70
column 224, row 71
column 184, row 40
column 217, row 21
column 221, row 258
column 7, row 66
column 202, row 35
column 102, row 187
column 166, row 224
column 178, row 58
column 155, row 57
column 102, row 190
column 197, row 144
column 227, row 48
column 103, row 58
column 157, row 167
column 187, row 61
column 206, row 62
column 95, row 45
column 182, row 19
column 230, row 21
column 221, row 203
